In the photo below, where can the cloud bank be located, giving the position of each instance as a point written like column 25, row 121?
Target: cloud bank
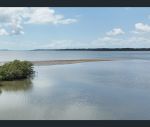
column 12, row 19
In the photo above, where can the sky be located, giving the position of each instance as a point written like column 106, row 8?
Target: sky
column 26, row 28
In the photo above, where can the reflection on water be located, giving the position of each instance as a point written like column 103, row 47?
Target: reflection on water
column 99, row 90
column 19, row 85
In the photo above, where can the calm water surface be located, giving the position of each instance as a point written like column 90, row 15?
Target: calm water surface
column 99, row 90
column 57, row 55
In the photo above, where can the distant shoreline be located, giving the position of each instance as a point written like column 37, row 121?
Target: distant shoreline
column 86, row 49
column 96, row 49
column 61, row 62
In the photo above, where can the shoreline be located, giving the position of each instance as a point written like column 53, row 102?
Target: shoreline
column 62, row 62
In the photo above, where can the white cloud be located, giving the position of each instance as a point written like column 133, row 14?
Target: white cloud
column 56, row 44
column 16, row 26
column 63, row 44
column 141, row 27
column 66, row 21
column 133, row 41
column 109, row 41
column 12, row 19
column 3, row 32
column 40, row 15
column 106, row 42
column 102, row 42
column 139, row 40
column 115, row 32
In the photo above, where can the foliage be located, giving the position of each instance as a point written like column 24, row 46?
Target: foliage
column 16, row 70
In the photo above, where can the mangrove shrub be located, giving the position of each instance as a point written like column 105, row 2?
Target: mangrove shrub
column 16, row 70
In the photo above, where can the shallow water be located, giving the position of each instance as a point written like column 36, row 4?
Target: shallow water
column 59, row 55
column 98, row 90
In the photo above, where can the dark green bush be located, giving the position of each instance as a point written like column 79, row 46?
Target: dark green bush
column 16, row 70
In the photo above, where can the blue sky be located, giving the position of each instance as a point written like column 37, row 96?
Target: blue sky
column 66, row 27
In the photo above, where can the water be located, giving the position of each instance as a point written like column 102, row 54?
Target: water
column 56, row 55
column 108, row 90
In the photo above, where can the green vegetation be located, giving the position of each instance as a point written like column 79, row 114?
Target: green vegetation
column 16, row 70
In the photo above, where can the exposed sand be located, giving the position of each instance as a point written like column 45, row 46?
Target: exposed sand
column 59, row 62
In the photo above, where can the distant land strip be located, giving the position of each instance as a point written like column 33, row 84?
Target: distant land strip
column 96, row 49
column 59, row 62
column 86, row 49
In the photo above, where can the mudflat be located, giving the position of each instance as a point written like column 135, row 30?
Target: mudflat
column 57, row 62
